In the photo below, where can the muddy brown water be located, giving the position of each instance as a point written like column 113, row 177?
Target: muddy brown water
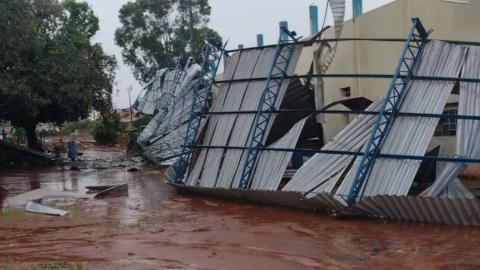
column 156, row 228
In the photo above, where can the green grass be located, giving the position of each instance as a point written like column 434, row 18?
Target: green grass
column 48, row 266
column 355, row 240
column 170, row 217
column 12, row 215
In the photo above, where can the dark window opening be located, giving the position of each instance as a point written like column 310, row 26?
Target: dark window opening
column 345, row 92
column 447, row 126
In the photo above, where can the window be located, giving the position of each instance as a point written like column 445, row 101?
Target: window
column 447, row 126
column 345, row 92
column 459, row 1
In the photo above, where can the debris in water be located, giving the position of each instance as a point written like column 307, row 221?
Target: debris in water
column 42, row 209
column 99, row 188
column 117, row 190
column 38, row 194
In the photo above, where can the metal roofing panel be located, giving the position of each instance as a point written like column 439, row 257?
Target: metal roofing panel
column 229, row 70
column 233, row 101
column 468, row 131
column 271, row 164
column 411, row 136
column 244, row 122
column 421, row 209
column 321, row 167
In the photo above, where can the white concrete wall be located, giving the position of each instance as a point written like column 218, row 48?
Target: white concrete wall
column 450, row 21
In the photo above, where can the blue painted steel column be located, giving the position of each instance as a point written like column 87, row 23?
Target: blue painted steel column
column 313, row 19
column 260, row 40
column 357, row 8
column 241, row 47
column 199, row 108
column 283, row 34
column 277, row 74
column 417, row 39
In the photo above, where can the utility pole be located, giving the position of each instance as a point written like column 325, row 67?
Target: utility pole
column 191, row 27
column 130, row 103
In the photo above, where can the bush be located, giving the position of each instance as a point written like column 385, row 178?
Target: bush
column 107, row 130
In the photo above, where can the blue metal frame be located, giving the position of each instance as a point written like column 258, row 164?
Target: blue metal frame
column 365, row 76
column 349, row 153
column 277, row 74
column 200, row 102
column 311, row 42
column 402, row 114
column 417, row 39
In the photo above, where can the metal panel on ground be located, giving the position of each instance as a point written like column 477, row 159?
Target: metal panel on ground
column 411, row 136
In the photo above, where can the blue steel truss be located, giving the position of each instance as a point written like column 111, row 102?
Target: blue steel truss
column 416, row 41
column 277, row 74
column 211, row 61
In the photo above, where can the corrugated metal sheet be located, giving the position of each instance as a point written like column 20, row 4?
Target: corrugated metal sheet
column 318, row 172
column 468, row 131
column 425, row 209
column 222, row 167
column 421, row 209
column 272, row 165
column 411, row 136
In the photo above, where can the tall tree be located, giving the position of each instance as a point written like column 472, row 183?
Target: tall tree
column 154, row 32
column 50, row 70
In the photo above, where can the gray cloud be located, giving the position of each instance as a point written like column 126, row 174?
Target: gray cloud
column 237, row 21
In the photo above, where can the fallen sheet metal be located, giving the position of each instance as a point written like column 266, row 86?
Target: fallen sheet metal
column 38, row 194
column 242, row 128
column 231, row 65
column 272, row 164
column 118, row 190
column 43, row 209
column 468, row 131
column 316, row 174
column 411, row 136
column 162, row 90
column 233, row 102
column 102, row 187
column 412, row 208
column 220, row 167
column 171, row 95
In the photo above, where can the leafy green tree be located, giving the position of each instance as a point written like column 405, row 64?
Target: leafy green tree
column 50, row 70
column 107, row 130
column 154, row 32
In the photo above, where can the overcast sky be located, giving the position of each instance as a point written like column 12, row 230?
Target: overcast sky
column 236, row 21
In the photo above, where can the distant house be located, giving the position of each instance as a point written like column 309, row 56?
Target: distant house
column 124, row 115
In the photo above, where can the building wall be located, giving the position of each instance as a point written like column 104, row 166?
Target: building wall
column 451, row 21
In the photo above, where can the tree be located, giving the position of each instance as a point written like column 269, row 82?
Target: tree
column 154, row 32
column 107, row 130
column 50, row 70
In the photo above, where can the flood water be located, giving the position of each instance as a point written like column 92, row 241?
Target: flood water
column 156, row 228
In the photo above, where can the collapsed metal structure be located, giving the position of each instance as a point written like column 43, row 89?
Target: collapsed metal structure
column 169, row 97
column 368, row 168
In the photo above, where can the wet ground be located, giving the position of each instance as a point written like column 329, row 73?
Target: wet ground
column 156, row 228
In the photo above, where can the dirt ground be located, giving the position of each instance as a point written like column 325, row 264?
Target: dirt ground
column 156, row 228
